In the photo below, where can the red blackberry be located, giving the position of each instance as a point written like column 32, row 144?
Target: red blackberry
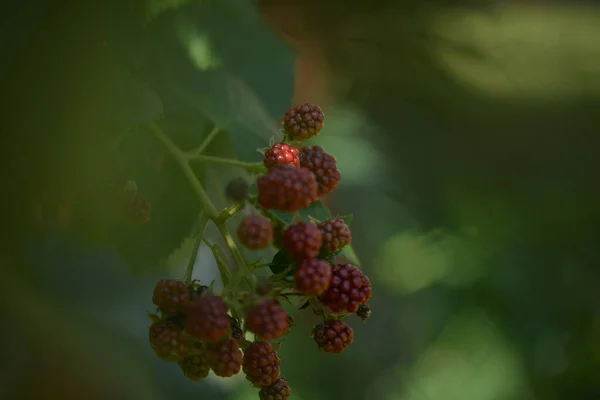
column 268, row 320
column 261, row 364
column 336, row 235
column 225, row 358
column 348, row 289
column 277, row 391
column 323, row 165
column 171, row 296
column 195, row 367
column 281, row 153
column 255, row 232
column 287, row 188
column 302, row 241
column 167, row 341
column 313, row 277
column 303, row 121
column 207, row 318
column 333, row 336
column 137, row 207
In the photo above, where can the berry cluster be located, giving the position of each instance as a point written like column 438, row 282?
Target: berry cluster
column 204, row 331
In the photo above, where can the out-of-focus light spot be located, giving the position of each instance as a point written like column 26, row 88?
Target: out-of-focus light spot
column 470, row 361
column 408, row 262
column 201, row 53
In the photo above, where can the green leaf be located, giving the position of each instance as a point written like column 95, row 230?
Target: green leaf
column 317, row 211
column 347, row 218
column 280, row 262
column 349, row 253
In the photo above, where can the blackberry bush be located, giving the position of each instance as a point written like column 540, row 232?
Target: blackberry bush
column 202, row 326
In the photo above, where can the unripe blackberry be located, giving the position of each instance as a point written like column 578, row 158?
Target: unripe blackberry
column 225, row 358
column 171, row 296
column 333, row 336
column 281, row 153
column 302, row 241
column 336, row 235
column 261, row 364
column 303, row 121
column 237, row 190
column 168, row 342
column 280, row 390
column 255, row 232
column 348, row 289
column 313, row 277
column 287, row 188
column 364, row 312
column 137, row 207
column 196, row 366
column 267, row 320
column 323, row 165
column 207, row 318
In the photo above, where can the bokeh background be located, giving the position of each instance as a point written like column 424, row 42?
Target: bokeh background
column 467, row 136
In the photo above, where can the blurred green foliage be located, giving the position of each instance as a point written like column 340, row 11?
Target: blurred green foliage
column 467, row 137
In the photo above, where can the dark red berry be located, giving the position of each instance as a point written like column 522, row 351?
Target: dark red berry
column 225, row 358
column 280, row 390
column 348, row 289
column 196, row 366
column 255, row 232
column 336, row 235
column 168, row 341
column 261, row 364
column 333, row 336
column 207, row 318
column 303, row 121
column 267, row 320
column 281, row 153
column 287, row 188
column 323, row 165
column 313, row 277
column 302, row 241
column 171, row 296
column 137, row 207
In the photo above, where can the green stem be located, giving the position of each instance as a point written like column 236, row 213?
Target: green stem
column 209, row 138
column 187, row 278
column 250, row 167
column 181, row 159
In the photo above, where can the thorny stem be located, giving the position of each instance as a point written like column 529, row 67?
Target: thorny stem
column 209, row 138
column 187, row 278
column 248, row 166
column 210, row 210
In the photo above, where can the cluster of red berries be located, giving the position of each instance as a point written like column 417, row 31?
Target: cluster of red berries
column 203, row 331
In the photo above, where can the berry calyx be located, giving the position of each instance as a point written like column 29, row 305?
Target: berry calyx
column 281, row 153
column 261, row 364
column 302, row 241
column 349, row 288
column 195, row 367
column 207, row 318
column 225, row 358
column 280, row 390
column 255, row 232
column 168, row 342
column 313, row 277
column 268, row 320
column 287, row 188
column 171, row 296
column 303, row 121
column 333, row 336
column 323, row 165
column 336, row 235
